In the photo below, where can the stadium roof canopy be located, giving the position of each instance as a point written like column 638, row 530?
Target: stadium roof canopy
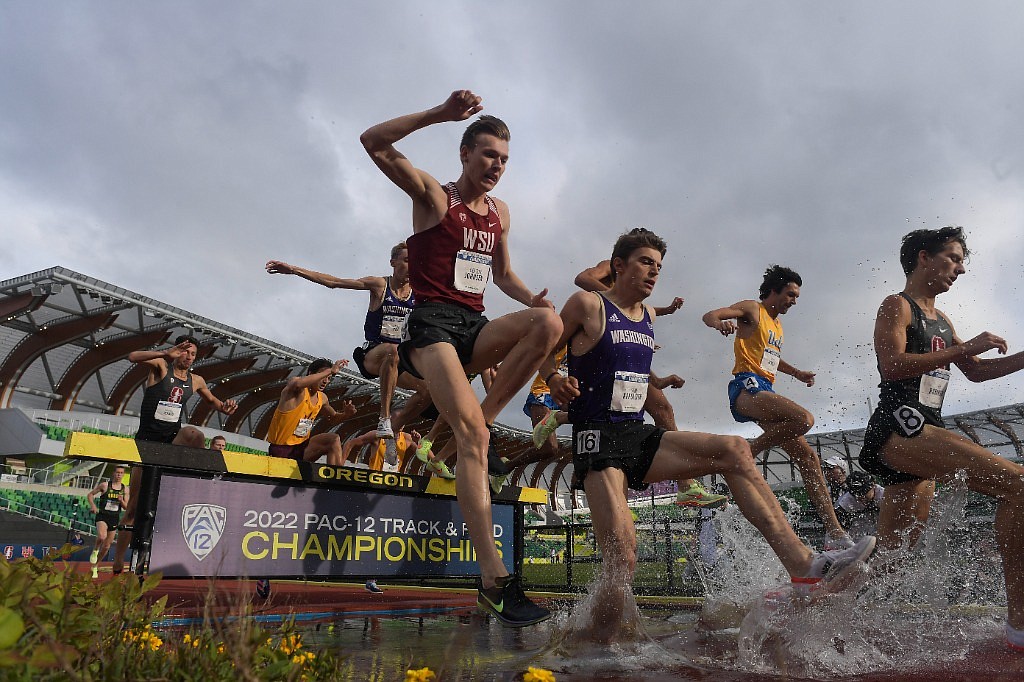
column 65, row 339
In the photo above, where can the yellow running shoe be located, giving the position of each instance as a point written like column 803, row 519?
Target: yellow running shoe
column 441, row 469
column 696, row 496
column 544, row 429
column 423, row 451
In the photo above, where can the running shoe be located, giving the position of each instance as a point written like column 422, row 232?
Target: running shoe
column 391, row 453
column 511, row 606
column 697, row 496
column 544, row 429
column 94, row 558
column 384, row 429
column 389, row 468
column 95, row 571
column 843, row 541
column 828, row 569
column 423, row 450
column 441, row 469
column 371, row 587
column 498, row 480
column 263, row 588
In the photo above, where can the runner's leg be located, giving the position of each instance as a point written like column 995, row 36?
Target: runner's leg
column 519, row 341
column 781, row 418
column 455, row 400
column 936, row 452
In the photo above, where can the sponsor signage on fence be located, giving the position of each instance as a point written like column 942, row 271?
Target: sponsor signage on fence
column 241, row 528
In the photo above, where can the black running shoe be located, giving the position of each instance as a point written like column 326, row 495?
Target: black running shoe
column 263, row 588
column 513, row 608
column 495, row 464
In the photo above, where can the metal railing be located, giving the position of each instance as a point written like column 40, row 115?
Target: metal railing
column 46, row 476
column 53, row 518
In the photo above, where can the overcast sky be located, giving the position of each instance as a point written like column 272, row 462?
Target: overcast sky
column 174, row 148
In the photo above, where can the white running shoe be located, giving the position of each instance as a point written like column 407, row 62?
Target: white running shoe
column 384, row 429
column 391, row 452
column 830, row 569
column 843, row 541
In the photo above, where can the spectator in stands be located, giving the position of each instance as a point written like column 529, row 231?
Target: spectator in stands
column 112, row 499
column 834, row 469
column 218, row 443
column 857, row 508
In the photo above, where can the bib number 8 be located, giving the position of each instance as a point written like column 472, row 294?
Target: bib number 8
column 910, row 420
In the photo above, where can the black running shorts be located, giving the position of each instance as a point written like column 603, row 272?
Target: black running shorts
column 359, row 356
column 906, row 421
column 629, row 446
column 431, row 323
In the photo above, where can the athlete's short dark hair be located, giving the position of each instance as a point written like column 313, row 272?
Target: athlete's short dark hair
column 397, row 249
column 489, row 125
column 219, row 437
column 186, row 337
column 776, row 277
column 318, row 365
column 637, row 238
column 931, row 241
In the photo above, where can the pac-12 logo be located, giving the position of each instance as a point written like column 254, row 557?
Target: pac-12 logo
column 201, row 526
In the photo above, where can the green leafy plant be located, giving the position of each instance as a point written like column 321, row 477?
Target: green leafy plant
column 58, row 624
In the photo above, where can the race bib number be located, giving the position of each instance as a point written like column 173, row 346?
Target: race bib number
column 588, row 442
column 391, row 327
column 112, row 506
column 629, row 392
column 303, row 428
column 933, row 388
column 167, row 412
column 910, row 420
column 472, row 270
column 770, row 360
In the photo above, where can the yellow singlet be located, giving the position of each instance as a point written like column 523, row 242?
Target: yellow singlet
column 761, row 352
column 295, row 425
column 539, row 388
column 401, row 442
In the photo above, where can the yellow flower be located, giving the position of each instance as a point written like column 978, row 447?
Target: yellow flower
column 220, row 648
column 421, row 675
column 186, row 639
column 303, row 658
column 291, row 644
column 538, row 675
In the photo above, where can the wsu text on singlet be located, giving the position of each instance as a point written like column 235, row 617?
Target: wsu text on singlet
column 451, row 262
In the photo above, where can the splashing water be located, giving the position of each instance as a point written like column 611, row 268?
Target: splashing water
column 583, row 640
column 918, row 607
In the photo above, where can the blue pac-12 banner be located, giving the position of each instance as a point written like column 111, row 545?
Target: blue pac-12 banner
column 241, row 528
